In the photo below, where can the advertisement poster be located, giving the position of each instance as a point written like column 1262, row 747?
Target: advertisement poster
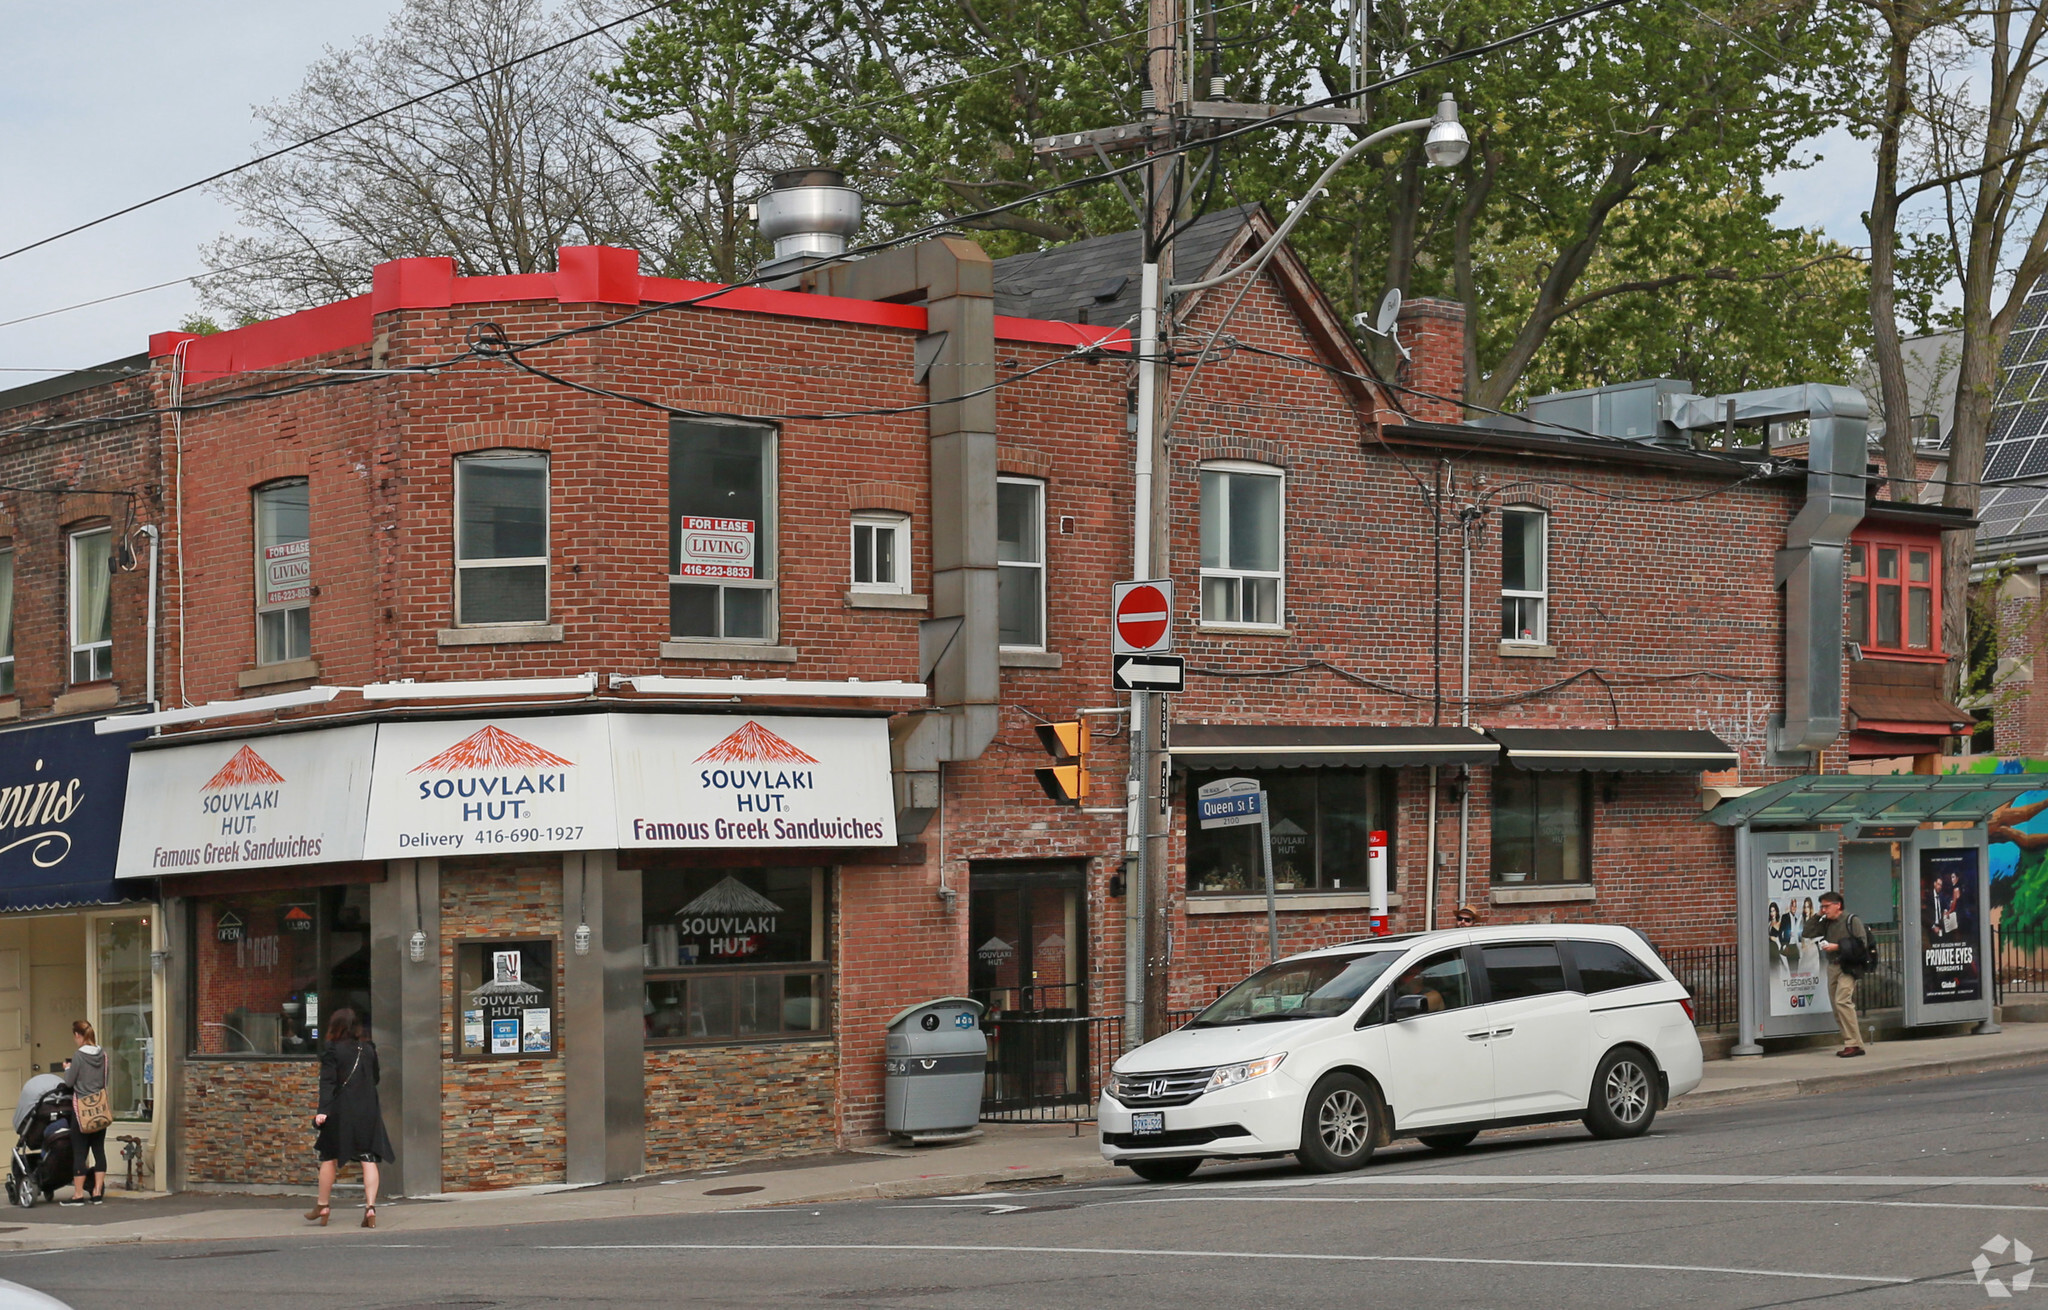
column 714, row 548
column 506, row 990
column 287, row 573
column 1792, row 887
column 295, row 798
column 481, row 787
column 1949, row 917
column 2018, row 857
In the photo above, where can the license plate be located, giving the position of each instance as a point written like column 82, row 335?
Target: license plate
column 1152, row 1122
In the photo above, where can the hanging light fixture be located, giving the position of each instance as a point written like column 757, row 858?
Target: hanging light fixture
column 582, row 935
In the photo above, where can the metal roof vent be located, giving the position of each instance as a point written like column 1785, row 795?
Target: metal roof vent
column 809, row 213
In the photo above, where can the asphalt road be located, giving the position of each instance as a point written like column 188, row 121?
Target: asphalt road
column 1877, row 1198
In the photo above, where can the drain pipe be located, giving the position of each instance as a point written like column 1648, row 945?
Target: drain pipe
column 1465, row 715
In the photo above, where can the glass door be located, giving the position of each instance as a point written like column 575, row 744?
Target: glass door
column 1027, row 964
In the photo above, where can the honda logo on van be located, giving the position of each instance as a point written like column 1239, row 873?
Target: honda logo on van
column 1156, row 1089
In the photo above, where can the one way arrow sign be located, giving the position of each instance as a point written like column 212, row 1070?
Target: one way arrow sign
column 1148, row 672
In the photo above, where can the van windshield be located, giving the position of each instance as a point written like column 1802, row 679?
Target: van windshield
column 1314, row 988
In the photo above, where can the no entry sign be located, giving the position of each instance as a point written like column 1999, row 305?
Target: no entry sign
column 1141, row 616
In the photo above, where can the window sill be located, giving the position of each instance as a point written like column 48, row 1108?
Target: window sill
column 1902, row 656
column 10, row 708
column 499, row 634
column 270, row 675
column 96, row 696
column 1209, row 903
column 1030, row 659
column 1550, row 893
column 1244, row 629
column 885, row 600
column 728, row 650
column 1523, row 650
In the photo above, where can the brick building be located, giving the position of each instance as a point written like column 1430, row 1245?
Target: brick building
column 623, row 690
column 80, row 499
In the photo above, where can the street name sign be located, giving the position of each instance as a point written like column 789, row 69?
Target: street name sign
column 1141, row 617
column 1161, row 673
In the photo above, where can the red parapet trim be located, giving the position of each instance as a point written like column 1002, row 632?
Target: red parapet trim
column 504, row 287
column 1054, row 332
column 786, row 304
column 278, row 341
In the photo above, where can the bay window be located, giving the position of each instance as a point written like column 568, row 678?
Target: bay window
column 1895, row 594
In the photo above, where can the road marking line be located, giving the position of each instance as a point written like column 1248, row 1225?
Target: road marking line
column 1308, row 1256
column 1574, row 1200
column 1623, row 1180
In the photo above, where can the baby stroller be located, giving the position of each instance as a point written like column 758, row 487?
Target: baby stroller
column 42, row 1145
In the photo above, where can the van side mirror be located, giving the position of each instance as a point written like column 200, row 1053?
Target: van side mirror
column 1409, row 1007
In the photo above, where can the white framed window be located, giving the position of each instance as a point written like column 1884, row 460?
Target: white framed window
column 1525, row 576
column 881, row 553
column 284, row 573
column 1244, row 545
column 6, row 620
column 501, row 538
column 722, row 522
column 1020, row 562
column 92, row 606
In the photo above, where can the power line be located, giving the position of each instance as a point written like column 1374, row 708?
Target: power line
column 349, row 126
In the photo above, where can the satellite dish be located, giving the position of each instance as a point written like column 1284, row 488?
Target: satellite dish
column 1390, row 312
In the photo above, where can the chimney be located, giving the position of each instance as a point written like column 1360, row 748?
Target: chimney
column 1434, row 333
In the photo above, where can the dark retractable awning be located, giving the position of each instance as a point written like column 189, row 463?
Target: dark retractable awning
column 1284, row 746
column 1831, row 798
column 1615, row 750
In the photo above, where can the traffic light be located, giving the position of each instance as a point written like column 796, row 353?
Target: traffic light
column 1067, row 780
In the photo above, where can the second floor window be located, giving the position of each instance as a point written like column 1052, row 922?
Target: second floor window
column 1525, row 576
column 1242, row 573
column 501, row 538
column 1895, row 595
column 721, row 491
column 1020, row 562
column 881, row 553
column 92, row 609
column 6, row 621
column 284, row 574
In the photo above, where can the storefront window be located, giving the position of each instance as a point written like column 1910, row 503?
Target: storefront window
column 1321, row 821
column 734, row 954
column 267, row 965
column 505, row 998
column 127, row 1011
column 1540, row 826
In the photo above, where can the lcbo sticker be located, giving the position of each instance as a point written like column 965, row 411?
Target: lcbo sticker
column 963, row 1020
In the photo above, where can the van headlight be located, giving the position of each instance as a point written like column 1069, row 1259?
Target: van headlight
column 1230, row 1075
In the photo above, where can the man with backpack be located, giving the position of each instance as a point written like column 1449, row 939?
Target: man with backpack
column 1847, row 946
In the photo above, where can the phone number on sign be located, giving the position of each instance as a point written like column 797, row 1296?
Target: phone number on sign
column 528, row 836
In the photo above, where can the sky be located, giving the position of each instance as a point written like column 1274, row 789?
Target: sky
column 103, row 105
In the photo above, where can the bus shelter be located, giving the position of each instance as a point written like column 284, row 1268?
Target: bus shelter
column 1907, row 853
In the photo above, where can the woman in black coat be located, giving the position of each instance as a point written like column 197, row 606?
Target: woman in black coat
column 350, row 1124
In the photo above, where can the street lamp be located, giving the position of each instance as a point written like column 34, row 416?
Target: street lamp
column 1447, row 145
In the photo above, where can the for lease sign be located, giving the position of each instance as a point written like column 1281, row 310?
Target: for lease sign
column 715, row 548
column 288, row 573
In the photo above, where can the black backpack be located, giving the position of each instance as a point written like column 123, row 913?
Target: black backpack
column 1856, row 953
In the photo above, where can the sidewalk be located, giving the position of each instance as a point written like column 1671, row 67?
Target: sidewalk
column 1006, row 1156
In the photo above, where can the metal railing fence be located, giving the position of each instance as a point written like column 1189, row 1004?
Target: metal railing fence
column 1048, row 1068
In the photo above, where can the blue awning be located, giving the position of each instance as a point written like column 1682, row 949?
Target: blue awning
column 62, row 790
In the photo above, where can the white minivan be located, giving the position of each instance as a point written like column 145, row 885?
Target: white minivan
column 1438, row 1035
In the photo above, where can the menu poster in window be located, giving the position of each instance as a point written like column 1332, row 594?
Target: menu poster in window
column 1949, row 915
column 288, row 572
column 505, row 993
column 714, row 548
column 1792, row 887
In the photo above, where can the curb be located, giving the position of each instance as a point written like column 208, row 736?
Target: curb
column 1834, row 1082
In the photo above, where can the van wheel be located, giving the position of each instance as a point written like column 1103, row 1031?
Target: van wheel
column 1339, row 1125
column 1448, row 1141
column 1164, row 1171
column 1624, row 1099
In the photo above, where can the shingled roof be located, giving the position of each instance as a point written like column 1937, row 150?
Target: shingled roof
column 1096, row 280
